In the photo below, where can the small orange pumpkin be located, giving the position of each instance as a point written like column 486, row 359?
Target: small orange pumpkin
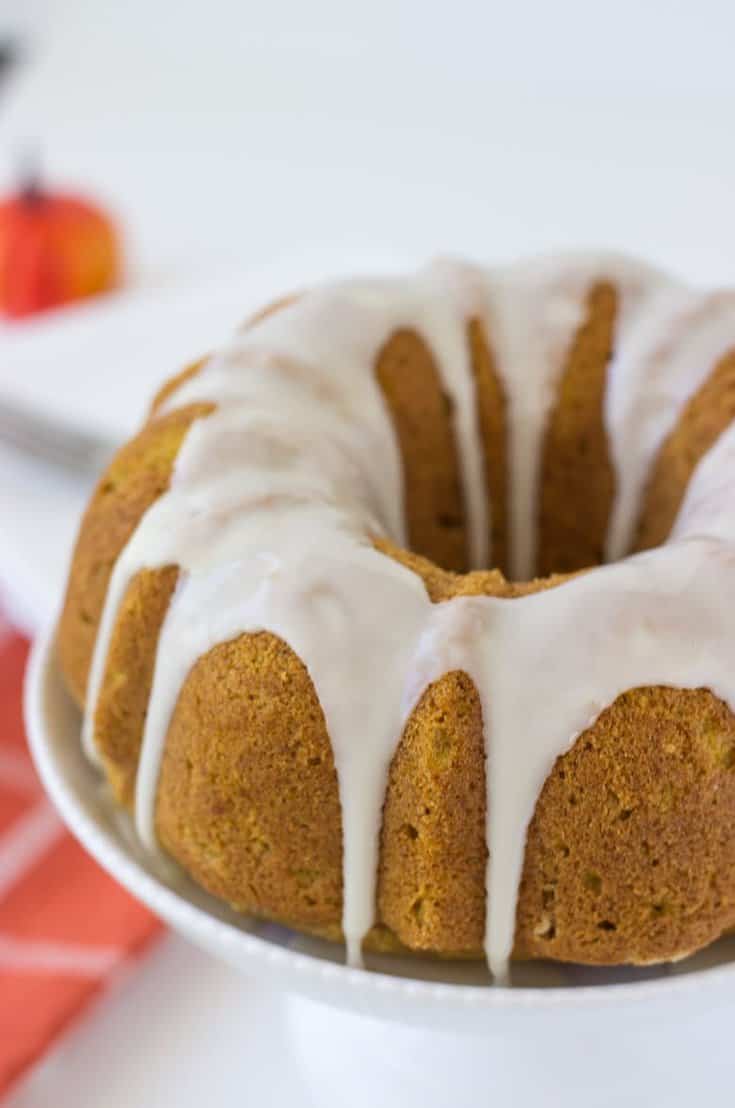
column 54, row 248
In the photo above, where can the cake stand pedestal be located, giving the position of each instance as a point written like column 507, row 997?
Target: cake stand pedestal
column 676, row 1055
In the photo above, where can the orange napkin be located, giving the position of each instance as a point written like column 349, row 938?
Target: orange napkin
column 66, row 928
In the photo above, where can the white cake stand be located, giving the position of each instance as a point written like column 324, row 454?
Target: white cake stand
column 403, row 1031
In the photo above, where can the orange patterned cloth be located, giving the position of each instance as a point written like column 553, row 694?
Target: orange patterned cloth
column 66, row 928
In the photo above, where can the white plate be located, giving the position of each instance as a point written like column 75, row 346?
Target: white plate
column 415, row 991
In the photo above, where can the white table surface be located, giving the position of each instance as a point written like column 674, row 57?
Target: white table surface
column 180, row 1031
column 308, row 137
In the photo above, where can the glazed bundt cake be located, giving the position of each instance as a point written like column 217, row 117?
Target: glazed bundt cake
column 299, row 672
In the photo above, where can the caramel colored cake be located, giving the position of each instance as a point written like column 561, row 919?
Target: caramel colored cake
column 300, row 674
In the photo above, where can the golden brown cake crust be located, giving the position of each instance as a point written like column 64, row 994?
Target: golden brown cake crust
column 630, row 855
column 421, row 413
column 431, row 879
column 168, row 388
column 706, row 415
column 248, row 798
column 271, row 309
column 577, row 480
column 128, row 677
column 491, row 410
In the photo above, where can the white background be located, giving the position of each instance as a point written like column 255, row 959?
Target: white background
column 491, row 128
column 323, row 134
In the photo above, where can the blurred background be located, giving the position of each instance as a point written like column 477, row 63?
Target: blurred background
column 238, row 149
column 245, row 131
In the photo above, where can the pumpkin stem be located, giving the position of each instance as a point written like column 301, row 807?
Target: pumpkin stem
column 30, row 187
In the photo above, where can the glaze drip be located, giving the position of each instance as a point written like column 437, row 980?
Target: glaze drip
column 277, row 495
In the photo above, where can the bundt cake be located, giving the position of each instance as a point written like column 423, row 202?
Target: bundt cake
column 300, row 673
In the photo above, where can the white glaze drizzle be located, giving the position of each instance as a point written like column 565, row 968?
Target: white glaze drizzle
column 274, row 498
column 663, row 358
